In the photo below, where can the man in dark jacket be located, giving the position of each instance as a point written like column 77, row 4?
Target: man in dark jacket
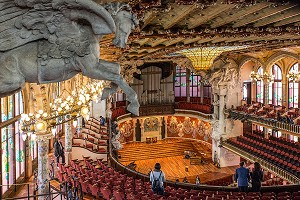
column 59, row 151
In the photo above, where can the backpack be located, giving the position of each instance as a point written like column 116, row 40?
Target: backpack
column 156, row 183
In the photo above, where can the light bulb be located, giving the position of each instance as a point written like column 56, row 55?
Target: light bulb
column 45, row 114
column 84, row 110
column 24, row 136
column 67, row 107
column 23, row 116
column 40, row 112
column 37, row 115
column 59, row 109
column 27, row 119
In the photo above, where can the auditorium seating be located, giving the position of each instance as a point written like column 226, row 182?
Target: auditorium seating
column 278, row 151
column 99, row 180
column 92, row 137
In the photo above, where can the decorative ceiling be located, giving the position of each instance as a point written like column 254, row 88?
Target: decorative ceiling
column 169, row 26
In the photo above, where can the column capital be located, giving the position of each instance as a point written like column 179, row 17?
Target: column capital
column 43, row 136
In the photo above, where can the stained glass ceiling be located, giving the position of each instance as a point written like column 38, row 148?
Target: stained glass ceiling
column 202, row 57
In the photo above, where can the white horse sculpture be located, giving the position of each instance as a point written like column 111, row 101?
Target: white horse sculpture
column 45, row 41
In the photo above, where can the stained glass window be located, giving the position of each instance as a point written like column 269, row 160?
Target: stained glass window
column 180, row 82
column 275, row 89
column 195, row 85
column 12, row 146
column 293, row 94
column 4, row 162
column 260, row 88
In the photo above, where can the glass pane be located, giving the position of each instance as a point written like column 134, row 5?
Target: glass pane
column 11, row 152
column 4, row 109
column 21, row 103
column 17, row 106
column 10, row 106
column 5, row 165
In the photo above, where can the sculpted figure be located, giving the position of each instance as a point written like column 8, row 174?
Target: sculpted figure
column 45, row 41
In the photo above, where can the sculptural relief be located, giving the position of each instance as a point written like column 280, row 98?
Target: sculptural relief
column 45, row 41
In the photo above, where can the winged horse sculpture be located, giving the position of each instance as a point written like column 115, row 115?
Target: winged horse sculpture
column 45, row 41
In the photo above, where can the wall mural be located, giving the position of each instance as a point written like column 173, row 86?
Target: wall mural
column 150, row 124
column 188, row 127
column 126, row 131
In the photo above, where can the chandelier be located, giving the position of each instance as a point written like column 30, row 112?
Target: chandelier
column 293, row 76
column 62, row 110
column 261, row 77
column 202, row 57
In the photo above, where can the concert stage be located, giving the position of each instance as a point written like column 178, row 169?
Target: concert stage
column 170, row 154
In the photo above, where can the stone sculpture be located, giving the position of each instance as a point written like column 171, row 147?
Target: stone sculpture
column 45, row 41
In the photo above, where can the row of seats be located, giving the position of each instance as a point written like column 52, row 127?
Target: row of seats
column 92, row 137
column 99, row 180
column 273, row 144
column 265, row 152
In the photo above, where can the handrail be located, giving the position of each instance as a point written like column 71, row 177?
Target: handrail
column 278, row 171
column 292, row 129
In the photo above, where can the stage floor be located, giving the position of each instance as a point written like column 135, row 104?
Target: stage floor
column 174, row 166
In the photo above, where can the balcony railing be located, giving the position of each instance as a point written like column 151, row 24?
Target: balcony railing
column 267, row 122
column 268, row 166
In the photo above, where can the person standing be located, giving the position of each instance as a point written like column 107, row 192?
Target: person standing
column 157, row 178
column 242, row 176
column 102, row 121
column 256, row 177
column 59, row 151
column 198, row 180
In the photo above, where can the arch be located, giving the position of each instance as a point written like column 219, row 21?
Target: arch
column 278, row 56
column 248, row 59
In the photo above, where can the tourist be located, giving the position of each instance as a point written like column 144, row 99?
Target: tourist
column 198, row 180
column 59, row 151
column 102, row 121
column 157, row 178
column 256, row 177
column 242, row 176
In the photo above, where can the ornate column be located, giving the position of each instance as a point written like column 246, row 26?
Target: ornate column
column 28, row 158
column 68, row 141
column 266, row 92
column 43, row 164
column 222, row 93
column 188, row 83
column 216, row 106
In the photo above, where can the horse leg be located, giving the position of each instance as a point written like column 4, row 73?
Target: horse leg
column 11, row 79
column 109, row 91
column 104, row 70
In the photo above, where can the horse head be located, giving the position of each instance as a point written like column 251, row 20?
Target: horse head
column 125, row 22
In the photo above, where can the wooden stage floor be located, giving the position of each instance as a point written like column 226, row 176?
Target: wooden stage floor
column 174, row 166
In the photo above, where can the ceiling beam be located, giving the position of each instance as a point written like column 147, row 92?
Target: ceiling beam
column 287, row 21
column 149, row 16
column 173, row 41
column 262, row 14
column 208, row 14
column 180, row 15
column 234, row 14
column 156, row 42
column 282, row 16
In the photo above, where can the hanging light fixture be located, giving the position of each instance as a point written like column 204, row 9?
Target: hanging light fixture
column 63, row 109
column 53, row 130
column 24, row 136
column 202, row 57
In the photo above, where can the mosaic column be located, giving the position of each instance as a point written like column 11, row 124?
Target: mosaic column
column 216, row 108
column 266, row 93
column 43, row 164
column 222, row 93
column 134, row 126
column 68, row 141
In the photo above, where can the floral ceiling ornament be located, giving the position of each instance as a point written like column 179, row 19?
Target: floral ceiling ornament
column 203, row 57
